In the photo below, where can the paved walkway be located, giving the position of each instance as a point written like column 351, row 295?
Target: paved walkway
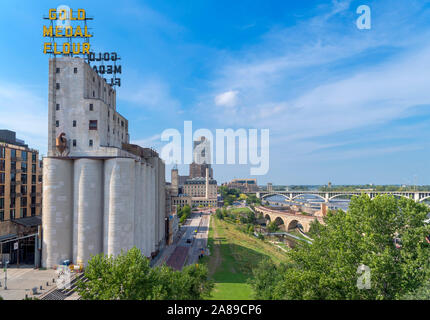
column 20, row 282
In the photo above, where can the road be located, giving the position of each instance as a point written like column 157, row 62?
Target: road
column 194, row 238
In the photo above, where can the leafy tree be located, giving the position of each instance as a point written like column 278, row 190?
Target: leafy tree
column 266, row 278
column 272, row 227
column 365, row 234
column 243, row 196
column 130, row 277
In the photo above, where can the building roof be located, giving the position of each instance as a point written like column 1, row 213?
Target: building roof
column 29, row 221
column 7, row 237
column 199, row 180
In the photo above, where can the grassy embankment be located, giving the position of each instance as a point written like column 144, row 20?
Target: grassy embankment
column 233, row 256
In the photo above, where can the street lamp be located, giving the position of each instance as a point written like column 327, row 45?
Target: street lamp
column 5, row 274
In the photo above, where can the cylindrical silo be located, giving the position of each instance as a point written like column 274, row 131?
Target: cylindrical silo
column 162, row 202
column 120, row 176
column 137, row 208
column 152, row 209
column 57, row 222
column 141, row 210
column 88, row 209
column 146, row 210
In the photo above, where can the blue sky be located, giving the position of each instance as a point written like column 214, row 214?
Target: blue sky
column 343, row 105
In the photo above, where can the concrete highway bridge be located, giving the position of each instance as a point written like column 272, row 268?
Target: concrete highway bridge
column 287, row 221
column 418, row 196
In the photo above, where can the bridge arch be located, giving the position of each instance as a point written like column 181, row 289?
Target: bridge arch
column 342, row 194
column 267, row 217
column 280, row 223
column 293, row 224
column 307, row 194
column 275, row 194
column 424, row 199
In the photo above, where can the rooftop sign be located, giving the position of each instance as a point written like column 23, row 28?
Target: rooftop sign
column 67, row 31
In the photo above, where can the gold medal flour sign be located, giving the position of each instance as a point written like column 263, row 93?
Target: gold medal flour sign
column 67, row 31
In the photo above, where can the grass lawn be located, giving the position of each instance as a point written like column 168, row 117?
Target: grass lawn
column 233, row 256
column 240, row 210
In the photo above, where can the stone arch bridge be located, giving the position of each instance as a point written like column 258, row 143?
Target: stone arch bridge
column 418, row 196
column 287, row 220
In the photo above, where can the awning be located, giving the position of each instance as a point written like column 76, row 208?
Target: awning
column 29, row 221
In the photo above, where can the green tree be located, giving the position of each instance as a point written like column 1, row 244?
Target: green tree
column 266, row 278
column 129, row 276
column 272, row 227
column 365, row 234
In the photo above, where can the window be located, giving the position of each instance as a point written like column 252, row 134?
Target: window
column 23, row 201
column 23, row 212
column 57, row 123
column 93, row 125
column 33, row 211
column 57, row 86
column 91, row 107
column 1, row 191
column 24, row 179
column 57, row 106
column 90, row 143
column 75, row 70
column 74, row 123
column 24, row 155
column 13, row 153
column 33, row 167
column 33, row 179
column 2, row 152
column 1, row 203
column 2, row 177
column 33, row 157
column 94, row 93
column 74, row 143
column 94, row 79
column 23, row 190
column 108, row 113
column 1, row 215
column 24, row 167
column 57, row 70
column 2, row 165
column 122, row 123
column 33, row 189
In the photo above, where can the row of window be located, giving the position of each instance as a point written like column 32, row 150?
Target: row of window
column 90, row 143
column 13, row 166
column 75, row 70
column 24, row 154
column 23, row 213
column 92, row 124
column 13, row 202
column 91, row 107
column 13, row 177
column 23, row 189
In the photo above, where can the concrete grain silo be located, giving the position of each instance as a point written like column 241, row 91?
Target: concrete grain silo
column 57, row 215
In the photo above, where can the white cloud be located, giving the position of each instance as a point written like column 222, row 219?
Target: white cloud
column 227, row 99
